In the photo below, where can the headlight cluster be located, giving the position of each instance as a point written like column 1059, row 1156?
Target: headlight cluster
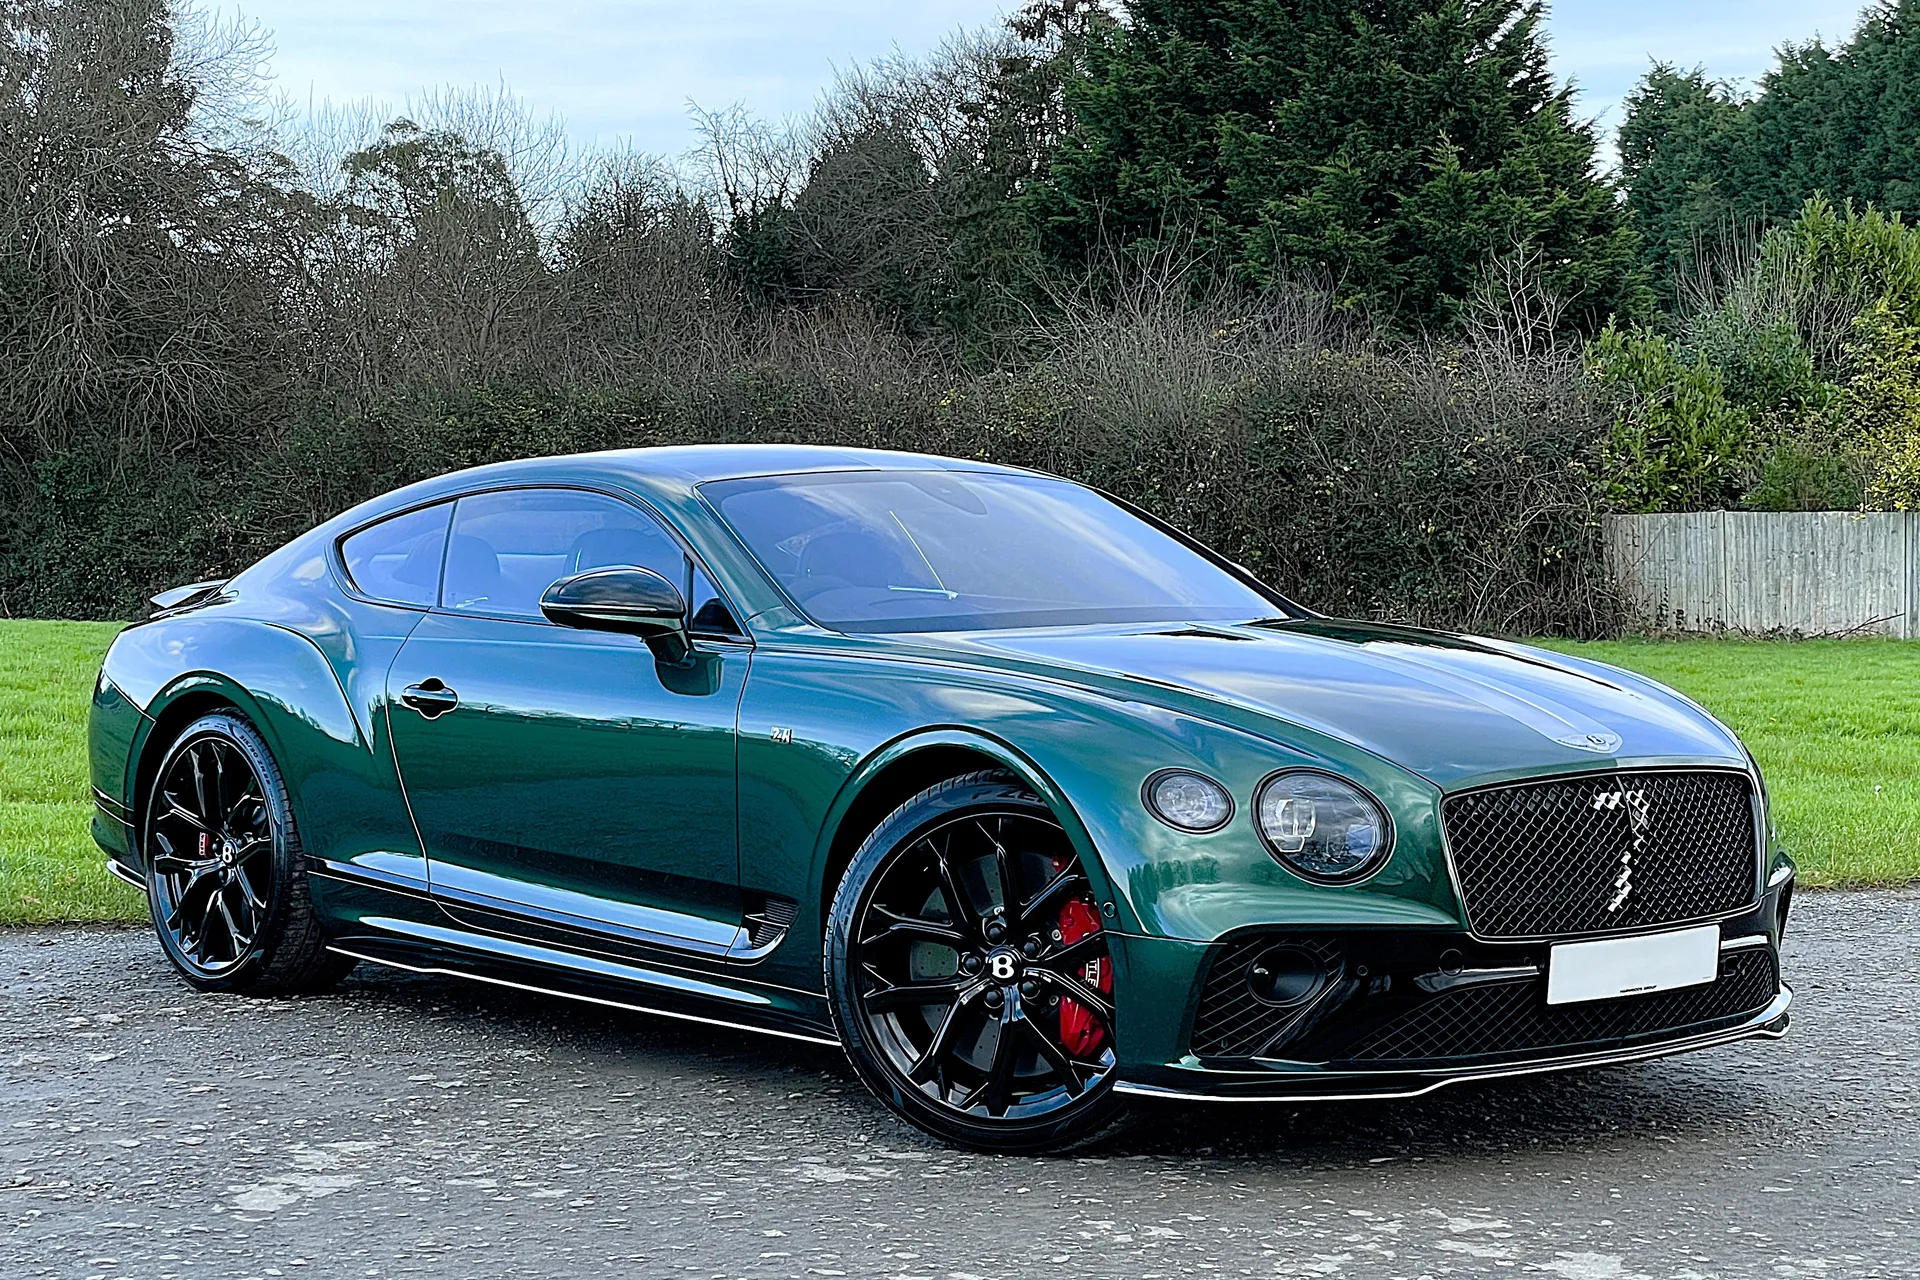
column 1317, row 825
column 1322, row 827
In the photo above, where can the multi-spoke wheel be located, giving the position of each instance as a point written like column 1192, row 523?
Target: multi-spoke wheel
column 223, row 880
column 968, row 972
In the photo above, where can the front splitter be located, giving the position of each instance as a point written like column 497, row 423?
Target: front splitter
column 1219, row 1086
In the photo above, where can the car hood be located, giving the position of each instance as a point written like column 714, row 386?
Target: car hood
column 1455, row 710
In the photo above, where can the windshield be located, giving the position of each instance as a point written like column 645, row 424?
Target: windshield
column 888, row 551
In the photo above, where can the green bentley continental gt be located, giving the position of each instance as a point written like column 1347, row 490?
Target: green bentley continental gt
column 1025, row 799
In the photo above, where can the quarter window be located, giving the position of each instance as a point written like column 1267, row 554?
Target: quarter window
column 508, row 548
column 398, row 560
column 710, row 616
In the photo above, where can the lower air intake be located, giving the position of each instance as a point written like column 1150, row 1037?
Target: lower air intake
column 1238, row 1017
column 1514, row 1018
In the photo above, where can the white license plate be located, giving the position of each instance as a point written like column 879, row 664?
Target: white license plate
column 1606, row 970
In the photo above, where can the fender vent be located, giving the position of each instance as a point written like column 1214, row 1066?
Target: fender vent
column 770, row 920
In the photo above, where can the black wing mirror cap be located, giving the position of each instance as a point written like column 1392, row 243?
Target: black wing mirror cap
column 624, row 599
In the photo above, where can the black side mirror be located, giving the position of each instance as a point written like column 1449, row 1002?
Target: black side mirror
column 631, row 601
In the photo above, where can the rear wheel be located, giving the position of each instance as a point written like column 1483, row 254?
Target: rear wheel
column 968, row 973
column 224, row 882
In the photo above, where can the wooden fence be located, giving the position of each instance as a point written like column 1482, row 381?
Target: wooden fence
column 1819, row 573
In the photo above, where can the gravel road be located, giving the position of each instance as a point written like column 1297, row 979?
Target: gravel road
column 413, row 1127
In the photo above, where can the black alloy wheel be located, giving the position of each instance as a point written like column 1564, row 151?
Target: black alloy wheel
column 969, row 974
column 228, row 898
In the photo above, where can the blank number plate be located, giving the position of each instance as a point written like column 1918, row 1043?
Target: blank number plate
column 1606, row 970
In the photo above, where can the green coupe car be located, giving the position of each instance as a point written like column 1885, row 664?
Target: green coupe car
column 1024, row 798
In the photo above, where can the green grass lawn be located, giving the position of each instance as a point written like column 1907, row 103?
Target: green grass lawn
column 1835, row 724
column 49, row 867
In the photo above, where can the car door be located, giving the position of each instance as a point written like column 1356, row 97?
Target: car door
column 563, row 778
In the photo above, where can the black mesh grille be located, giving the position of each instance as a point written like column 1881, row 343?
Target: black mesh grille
column 1231, row 1022
column 1603, row 852
column 1515, row 1018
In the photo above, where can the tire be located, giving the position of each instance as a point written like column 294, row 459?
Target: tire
column 968, row 974
column 225, row 885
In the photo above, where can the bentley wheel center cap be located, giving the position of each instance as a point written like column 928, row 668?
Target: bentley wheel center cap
column 1003, row 965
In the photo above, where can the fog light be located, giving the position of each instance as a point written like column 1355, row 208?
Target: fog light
column 1285, row 976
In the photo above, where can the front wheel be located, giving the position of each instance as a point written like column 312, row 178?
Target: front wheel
column 969, row 974
column 224, row 881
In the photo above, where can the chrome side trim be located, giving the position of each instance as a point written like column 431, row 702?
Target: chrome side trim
column 125, row 876
column 366, row 877
column 589, row 932
column 1745, row 944
column 1759, row 1027
column 441, row 971
column 458, row 886
column 744, row 952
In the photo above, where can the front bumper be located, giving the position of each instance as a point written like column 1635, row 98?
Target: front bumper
column 1331, row 1086
column 112, row 831
column 1397, row 1013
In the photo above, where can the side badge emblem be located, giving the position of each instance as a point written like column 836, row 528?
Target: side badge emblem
column 782, row 736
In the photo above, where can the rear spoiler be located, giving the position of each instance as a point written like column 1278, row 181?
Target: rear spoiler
column 176, row 599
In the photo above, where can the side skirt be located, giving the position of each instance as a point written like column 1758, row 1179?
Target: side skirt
column 423, row 948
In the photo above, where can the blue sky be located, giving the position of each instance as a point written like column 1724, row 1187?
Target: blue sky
column 623, row 71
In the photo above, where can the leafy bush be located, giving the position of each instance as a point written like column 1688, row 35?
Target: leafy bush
column 1449, row 486
column 1798, row 477
column 1883, row 403
column 1678, row 443
column 1791, row 382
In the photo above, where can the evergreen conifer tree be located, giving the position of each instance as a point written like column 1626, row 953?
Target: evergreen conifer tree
column 1392, row 145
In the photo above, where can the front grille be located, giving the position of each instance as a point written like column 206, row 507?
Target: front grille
column 1514, row 1017
column 1604, row 851
column 1231, row 1021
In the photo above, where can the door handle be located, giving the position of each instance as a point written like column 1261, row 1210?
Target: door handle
column 430, row 698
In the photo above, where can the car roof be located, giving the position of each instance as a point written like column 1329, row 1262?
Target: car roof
column 700, row 463
column 667, row 472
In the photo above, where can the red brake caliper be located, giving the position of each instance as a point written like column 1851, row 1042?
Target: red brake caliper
column 1080, row 1031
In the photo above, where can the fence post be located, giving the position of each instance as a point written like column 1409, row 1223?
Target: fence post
column 1910, row 625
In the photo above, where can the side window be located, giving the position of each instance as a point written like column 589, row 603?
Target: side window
column 398, row 560
column 508, row 548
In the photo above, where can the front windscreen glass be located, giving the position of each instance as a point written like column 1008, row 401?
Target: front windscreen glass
column 886, row 551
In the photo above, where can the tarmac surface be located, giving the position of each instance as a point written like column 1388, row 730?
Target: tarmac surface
column 429, row 1127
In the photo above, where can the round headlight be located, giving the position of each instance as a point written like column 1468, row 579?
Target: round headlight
column 1321, row 827
column 1188, row 801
